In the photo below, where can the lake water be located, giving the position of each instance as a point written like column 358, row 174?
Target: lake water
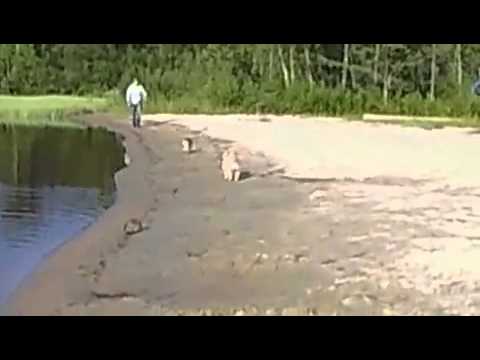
column 53, row 184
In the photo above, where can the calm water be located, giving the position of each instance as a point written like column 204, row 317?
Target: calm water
column 53, row 184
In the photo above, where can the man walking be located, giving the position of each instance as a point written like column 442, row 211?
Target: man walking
column 136, row 97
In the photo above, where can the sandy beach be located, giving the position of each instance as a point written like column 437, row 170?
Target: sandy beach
column 337, row 218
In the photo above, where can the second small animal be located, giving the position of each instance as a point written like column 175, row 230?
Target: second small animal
column 188, row 145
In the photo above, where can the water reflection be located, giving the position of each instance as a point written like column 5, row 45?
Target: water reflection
column 53, row 184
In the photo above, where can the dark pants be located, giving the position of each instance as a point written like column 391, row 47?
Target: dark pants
column 136, row 115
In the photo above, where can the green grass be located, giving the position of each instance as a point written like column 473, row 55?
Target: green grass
column 61, row 110
column 47, row 110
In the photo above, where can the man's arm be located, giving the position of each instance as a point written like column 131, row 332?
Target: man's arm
column 128, row 95
column 144, row 93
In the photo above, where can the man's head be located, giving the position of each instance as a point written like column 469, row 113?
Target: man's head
column 135, row 81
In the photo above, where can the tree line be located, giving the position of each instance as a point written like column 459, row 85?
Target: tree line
column 423, row 79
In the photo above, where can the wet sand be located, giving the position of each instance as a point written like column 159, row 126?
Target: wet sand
column 375, row 244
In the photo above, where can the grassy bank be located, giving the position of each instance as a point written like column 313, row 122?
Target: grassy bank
column 300, row 99
column 47, row 110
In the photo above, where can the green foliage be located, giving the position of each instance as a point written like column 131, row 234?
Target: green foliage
column 291, row 78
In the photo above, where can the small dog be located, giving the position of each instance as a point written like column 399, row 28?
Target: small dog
column 188, row 145
column 133, row 226
column 230, row 166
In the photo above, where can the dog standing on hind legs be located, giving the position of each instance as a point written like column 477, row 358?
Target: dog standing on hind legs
column 231, row 166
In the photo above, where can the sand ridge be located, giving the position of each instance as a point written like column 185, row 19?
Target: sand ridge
column 331, row 148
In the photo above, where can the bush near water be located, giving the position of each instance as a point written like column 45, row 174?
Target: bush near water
column 326, row 79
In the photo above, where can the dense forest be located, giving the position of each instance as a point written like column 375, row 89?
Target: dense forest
column 421, row 79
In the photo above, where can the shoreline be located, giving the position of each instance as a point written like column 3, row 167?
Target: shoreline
column 275, row 244
column 60, row 268
column 59, row 286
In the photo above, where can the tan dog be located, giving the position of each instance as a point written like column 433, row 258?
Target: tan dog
column 230, row 166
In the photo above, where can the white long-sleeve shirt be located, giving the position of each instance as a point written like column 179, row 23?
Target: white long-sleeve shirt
column 135, row 94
